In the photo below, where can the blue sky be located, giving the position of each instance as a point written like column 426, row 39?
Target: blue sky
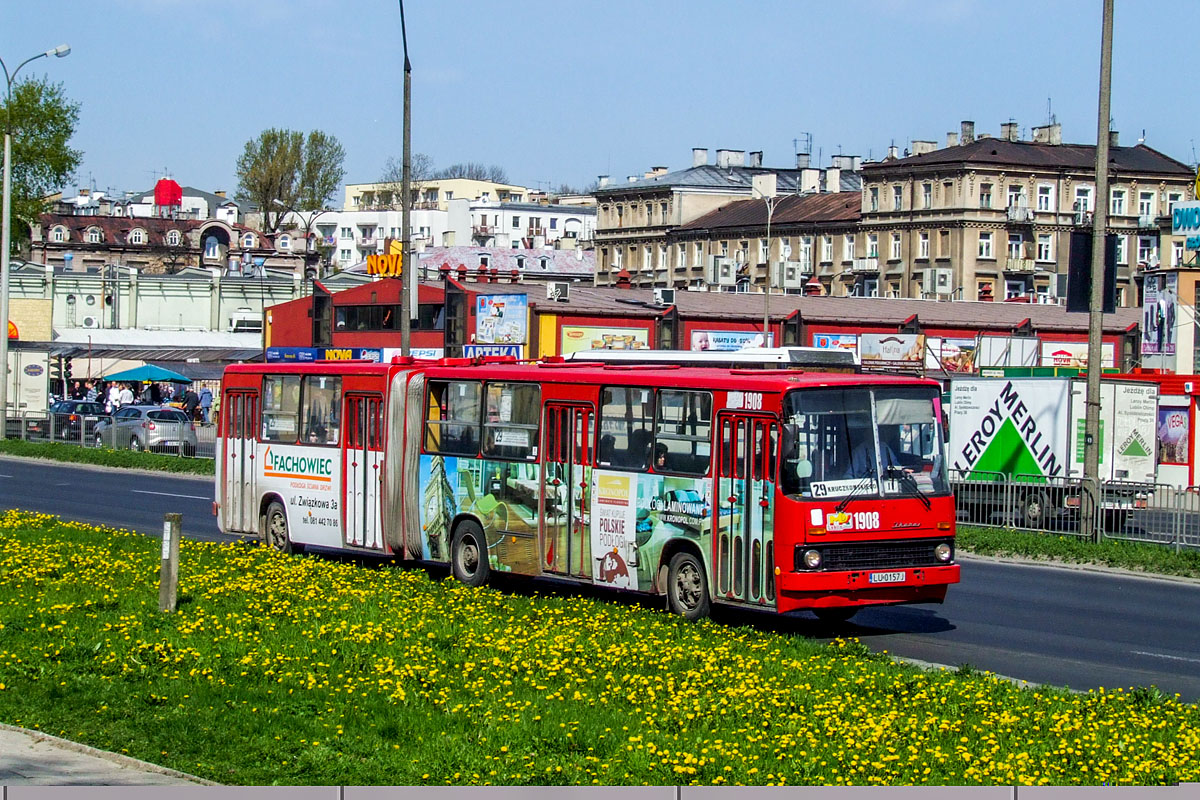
column 560, row 92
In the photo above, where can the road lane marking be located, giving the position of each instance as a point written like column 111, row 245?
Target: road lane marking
column 173, row 494
column 1164, row 655
column 5, row 476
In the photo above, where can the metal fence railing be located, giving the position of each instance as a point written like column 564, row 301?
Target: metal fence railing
column 1130, row 511
column 187, row 440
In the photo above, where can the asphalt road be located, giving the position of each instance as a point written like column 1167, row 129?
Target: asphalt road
column 1063, row 627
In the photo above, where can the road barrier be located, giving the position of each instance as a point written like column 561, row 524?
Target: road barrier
column 98, row 430
column 1128, row 511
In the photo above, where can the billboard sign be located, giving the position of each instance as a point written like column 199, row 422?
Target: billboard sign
column 1185, row 221
column 1158, row 314
column 725, row 341
column 501, row 318
column 586, row 337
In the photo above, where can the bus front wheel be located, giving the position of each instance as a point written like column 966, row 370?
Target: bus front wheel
column 277, row 529
column 836, row 615
column 687, row 590
column 468, row 554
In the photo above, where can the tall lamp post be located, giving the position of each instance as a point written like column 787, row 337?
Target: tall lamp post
column 308, row 223
column 5, row 238
column 409, row 287
column 764, row 188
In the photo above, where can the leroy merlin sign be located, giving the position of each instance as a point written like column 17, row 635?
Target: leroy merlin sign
column 1007, row 427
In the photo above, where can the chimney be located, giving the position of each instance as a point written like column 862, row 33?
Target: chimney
column 893, row 152
column 922, row 146
column 655, row 172
column 1008, row 131
column 632, row 178
column 833, row 179
column 699, row 156
column 219, row 193
column 1048, row 134
column 756, row 158
column 602, row 181
column 855, row 163
column 764, row 185
column 810, row 179
column 731, row 158
column 951, row 139
column 968, row 131
column 1114, row 139
column 802, row 160
column 84, row 192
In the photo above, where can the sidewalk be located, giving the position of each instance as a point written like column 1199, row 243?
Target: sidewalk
column 33, row 758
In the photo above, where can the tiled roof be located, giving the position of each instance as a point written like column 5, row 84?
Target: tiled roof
column 1138, row 158
column 710, row 176
column 116, row 229
column 581, row 264
column 548, row 208
column 994, row 317
column 214, row 201
column 791, row 209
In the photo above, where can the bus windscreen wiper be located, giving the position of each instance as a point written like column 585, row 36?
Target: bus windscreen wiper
column 909, row 483
column 857, row 492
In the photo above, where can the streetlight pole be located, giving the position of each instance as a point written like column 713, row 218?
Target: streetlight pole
column 770, row 201
column 409, row 272
column 5, row 237
column 1091, row 457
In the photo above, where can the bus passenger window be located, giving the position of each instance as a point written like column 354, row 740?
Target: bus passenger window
column 511, row 420
column 281, row 408
column 626, row 427
column 452, row 418
column 684, row 432
column 321, row 410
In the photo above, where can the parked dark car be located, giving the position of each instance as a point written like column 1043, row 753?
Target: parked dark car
column 75, row 420
column 152, row 428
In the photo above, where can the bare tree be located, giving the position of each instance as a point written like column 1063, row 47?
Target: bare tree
column 391, row 182
column 474, row 170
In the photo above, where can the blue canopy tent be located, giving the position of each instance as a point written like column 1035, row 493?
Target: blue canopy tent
column 148, row 373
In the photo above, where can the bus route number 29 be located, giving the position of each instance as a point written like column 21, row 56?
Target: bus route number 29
column 751, row 401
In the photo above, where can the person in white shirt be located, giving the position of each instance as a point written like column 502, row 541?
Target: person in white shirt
column 114, row 398
column 126, row 397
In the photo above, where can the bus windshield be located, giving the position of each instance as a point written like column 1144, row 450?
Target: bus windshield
column 862, row 441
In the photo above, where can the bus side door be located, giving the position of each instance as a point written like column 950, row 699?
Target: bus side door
column 362, row 464
column 743, row 503
column 566, row 476
column 240, row 421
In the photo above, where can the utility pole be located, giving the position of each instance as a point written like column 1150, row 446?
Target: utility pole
column 1091, row 459
column 408, row 289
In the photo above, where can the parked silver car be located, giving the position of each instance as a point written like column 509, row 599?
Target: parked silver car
column 148, row 428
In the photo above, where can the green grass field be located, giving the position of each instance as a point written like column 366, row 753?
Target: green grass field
column 102, row 456
column 302, row 670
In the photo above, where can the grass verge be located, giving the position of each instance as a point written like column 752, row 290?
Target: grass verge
column 302, row 670
column 124, row 459
column 1051, row 547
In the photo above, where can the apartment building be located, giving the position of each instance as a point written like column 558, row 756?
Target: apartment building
column 434, row 194
column 531, row 225
column 991, row 217
column 635, row 219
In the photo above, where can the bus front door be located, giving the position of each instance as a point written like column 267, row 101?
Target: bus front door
column 743, row 556
column 240, row 415
column 362, row 464
column 565, row 501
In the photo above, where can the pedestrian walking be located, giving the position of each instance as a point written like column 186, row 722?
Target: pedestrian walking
column 191, row 403
column 206, row 401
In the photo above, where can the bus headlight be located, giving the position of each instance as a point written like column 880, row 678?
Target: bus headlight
column 812, row 559
column 943, row 552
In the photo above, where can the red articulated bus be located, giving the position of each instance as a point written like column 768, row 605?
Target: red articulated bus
column 774, row 489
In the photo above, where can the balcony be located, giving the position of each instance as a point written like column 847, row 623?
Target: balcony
column 535, row 231
column 425, row 205
column 1147, row 222
column 864, row 265
column 368, row 243
column 1019, row 265
column 1083, row 219
column 484, row 230
column 1020, row 214
column 328, row 241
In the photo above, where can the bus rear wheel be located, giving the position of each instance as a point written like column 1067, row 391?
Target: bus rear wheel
column 468, row 554
column 687, row 590
column 276, row 529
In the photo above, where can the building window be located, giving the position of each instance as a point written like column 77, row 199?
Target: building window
column 1016, row 197
column 872, row 245
column 681, row 256
column 985, row 195
column 927, row 195
column 520, row 262
column 663, row 213
column 620, row 215
column 943, row 244
column 874, row 198
column 516, row 222
column 647, row 257
column 211, row 247
column 285, row 242
column 618, row 255
column 848, row 246
column 137, row 236
column 248, row 241
column 95, row 236
column 59, row 234
column 763, row 251
column 347, row 233
column 923, row 246
column 827, row 249
column 1083, row 198
column 1172, row 199
column 895, row 255
column 948, row 194
column 1146, row 250
column 1015, row 240
column 485, row 260
column 698, row 255
column 1045, row 247
column 662, row 255
column 806, row 252
column 1117, row 207
column 1176, row 253
column 985, row 245
column 1121, row 250
column 554, row 223
column 449, row 195
column 897, row 197
column 173, row 238
column 1045, row 198
column 1145, row 204
column 544, row 262
column 344, row 256
column 785, row 248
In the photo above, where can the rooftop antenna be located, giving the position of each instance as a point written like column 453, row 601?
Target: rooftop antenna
column 805, row 137
column 1142, row 138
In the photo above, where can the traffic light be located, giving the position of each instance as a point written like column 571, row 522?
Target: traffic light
column 56, row 376
column 67, row 369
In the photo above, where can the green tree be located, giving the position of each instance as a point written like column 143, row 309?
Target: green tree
column 283, row 169
column 42, row 120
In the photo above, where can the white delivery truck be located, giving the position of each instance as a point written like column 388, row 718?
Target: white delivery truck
column 1030, row 432
column 28, row 387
